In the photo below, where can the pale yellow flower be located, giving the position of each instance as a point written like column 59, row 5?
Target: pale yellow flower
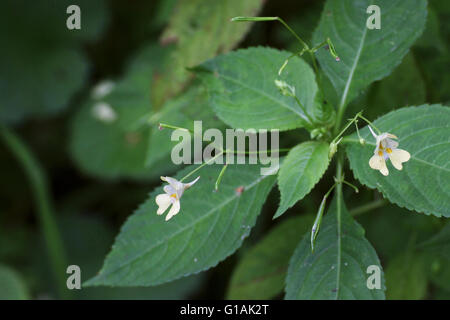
column 386, row 148
column 173, row 192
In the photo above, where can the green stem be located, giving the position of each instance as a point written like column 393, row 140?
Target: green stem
column 219, row 178
column 258, row 19
column 346, row 127
column 370, row 123
column 293, row 33
column 318, row 220
column 44, row 208
column 307, row 118
column 368, row 207
column 202, row 165
column 339, row 195
column 165, row 125
column 351, row 185
column 257, row 152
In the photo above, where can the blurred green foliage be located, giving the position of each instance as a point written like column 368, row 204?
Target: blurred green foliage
column 100, row 169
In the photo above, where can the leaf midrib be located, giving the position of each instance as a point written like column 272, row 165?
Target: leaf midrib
column 248, row 187
column 353, row 68
column 263, row 94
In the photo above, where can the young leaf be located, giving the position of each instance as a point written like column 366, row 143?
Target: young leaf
column 243, row 91
column 261, row 272
column 301, row 170
column 337, row 268
column 210, row 227
column 366, row 55
column 424, row 183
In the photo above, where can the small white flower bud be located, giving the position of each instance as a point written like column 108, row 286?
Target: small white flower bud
column 332, row 150
column 102, row 89
column 285, row 88
column 104, row 112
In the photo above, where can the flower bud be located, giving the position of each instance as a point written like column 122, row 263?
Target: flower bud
column 332, row 150
column 285, row 88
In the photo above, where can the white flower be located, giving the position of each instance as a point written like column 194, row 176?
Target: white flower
column 387, row 149
column 173, row 192
column 104, row 112
column 102, row 89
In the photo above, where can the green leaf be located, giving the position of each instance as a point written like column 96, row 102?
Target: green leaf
column 201, row 29
column 12, row 286
column 261, row 272
column 366, row 55
column 301, row 170
column 424, row 183
column 243, row 92
column 337, row 268
column 406, row 278
column 210, row 227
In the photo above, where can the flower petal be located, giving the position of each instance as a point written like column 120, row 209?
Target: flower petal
column 378, row 163
column 169, row 190
column 174, row 210
column 163, row 202
column 392, row 136
column 177, row 185
column 190, row 184
column 398, row 156
column 373, row 133
column 391, row 143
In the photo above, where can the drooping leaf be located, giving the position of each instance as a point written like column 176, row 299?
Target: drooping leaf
column 12, row 287
column 338, row 267
column 406, row 278
column 301, row 170
column 424, row 183
column 261, row 272
column 243, row 92
column 151, row 251
column 366, row 55
column 200, row 29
